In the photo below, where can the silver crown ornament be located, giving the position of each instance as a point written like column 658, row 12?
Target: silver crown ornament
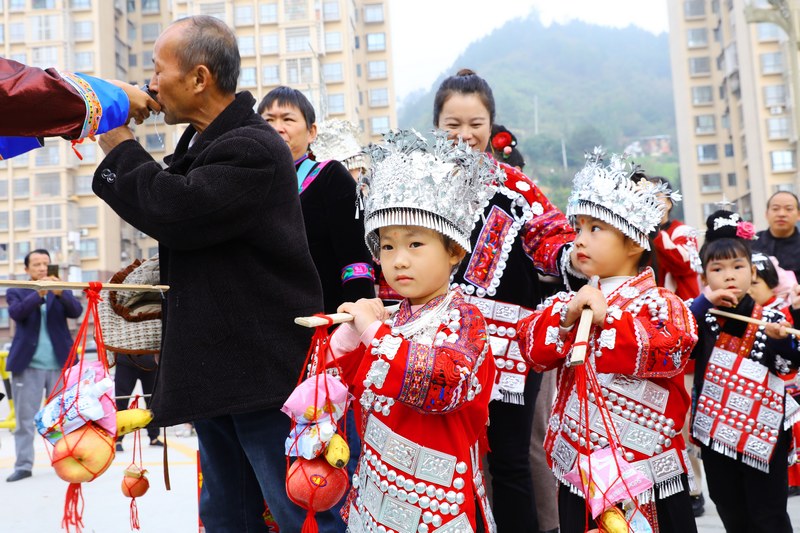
column 338, row 140
column 609, row 193
column 444, row 185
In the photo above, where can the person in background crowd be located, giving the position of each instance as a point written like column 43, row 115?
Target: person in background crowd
column 233, row 250
column 503, row 147
column 40, row 348
column 328, row 197
column 520, row 234
column 75, row 106
column 782, row 240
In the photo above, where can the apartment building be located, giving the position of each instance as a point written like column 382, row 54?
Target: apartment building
column 338, row 52
column 734, row 70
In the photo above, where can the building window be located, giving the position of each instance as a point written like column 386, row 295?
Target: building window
column 299, row 71
column 89, row 248
column 3, row 222
column 295, row 9
column 150, row 6
column 89, row 152
column 297, row 39
column 20, row 161
column 707, row 153
column 154, row 142
column 330, row 11
column 247, row 45
column 21, row 249
column 16, row 32
column 269, row 43
column 772, row 63
column 268, row 13
column 151, row 31
column 87, row 216
column 711, row 182
column 709, row 208
column 22, row 188
column 47, row 155
column 48, row 217
column 376, row 42
column 83, row 30
column 694, row 8
column 89, row 275
column 80, row 4
column 4, row 321
column 22, row 219
column 333, row 41
column 732, row 179
column 697, row 38
column 379, row 125
column 16, row 5
column 778, row 128
column 703, row 95
column 133, row 60
column 373, row 13
column 782, row 160
column 699, row 66
column 2, row 34
column 376, row 70
column 768, row 32
column 783, row 187
column 48, row 185
column 336, row 104
column 333, row 72
column 704, row 124
column 247, row 77
column 3, row 189
column 52, row 244
column 147, row 60
column 729, row 150
column 45, row 56
column 44, row 4
column 775, row 95
column 82, row 184
column 270, row 75
column 243, row 15
column 217, row 10
column 85, row 61
column 379, row 97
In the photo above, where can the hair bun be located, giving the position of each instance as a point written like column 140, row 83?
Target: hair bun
column 724, row 224
column 466, row 72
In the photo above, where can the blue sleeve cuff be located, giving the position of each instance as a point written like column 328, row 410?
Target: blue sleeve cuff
column 700, row 306
column 14, row 146
column 113, row 100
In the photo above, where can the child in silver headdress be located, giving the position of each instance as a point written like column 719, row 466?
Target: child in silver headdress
column 422, row 375
column 641, row 338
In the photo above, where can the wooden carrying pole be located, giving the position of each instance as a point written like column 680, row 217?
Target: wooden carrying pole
column 70, row 285
column 750, row 320
column 578, row 355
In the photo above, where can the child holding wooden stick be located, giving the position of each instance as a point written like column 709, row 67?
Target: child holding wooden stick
column 629, row 396
column 742, row 413
column 422, row 375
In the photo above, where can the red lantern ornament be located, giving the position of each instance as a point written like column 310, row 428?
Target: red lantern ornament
column 315, row 486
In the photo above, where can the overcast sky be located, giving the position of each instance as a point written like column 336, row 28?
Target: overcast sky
column 428, row 35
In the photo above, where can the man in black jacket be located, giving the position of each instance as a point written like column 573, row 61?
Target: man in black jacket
column 233, row 251
column 782, row 240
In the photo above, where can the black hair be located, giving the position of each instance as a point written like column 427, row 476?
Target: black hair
column 42, row 251
column 722, row 241
column 285, row 97
column 765, row 269
column 209, row 41
column 464, row 82
column 796, row 201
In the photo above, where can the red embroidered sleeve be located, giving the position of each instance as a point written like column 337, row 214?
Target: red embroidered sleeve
column 676, row 252
column 635, row 346
column 543, row 344
column 548, row 231
column 438, row 379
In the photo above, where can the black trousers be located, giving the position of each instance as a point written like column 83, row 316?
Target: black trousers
column 128, row 370
column 513, row 503
column 674, row 513
column 749, row 500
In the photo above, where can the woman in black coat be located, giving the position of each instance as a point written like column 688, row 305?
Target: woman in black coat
column 328, row 198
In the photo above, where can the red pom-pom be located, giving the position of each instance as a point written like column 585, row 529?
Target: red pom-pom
column 501, row 140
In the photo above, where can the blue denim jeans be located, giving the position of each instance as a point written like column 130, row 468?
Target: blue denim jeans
column 243, row 463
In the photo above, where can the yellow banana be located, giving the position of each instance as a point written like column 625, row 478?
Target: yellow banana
column 612, row 520
column 130, row 420
column 338, row 452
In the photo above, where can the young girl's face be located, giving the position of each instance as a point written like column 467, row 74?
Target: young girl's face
column 734, row 274
column 415, row 262
column 602, row 250
column 760, row 291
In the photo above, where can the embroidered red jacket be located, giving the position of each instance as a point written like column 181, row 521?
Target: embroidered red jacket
column 639, row 355
column 678, row 259
column 423, row 389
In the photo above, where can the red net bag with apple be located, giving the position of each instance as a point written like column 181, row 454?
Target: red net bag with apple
column 134, row 480
column 79, row 419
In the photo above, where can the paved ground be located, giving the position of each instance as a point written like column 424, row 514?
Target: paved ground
column 35, row 505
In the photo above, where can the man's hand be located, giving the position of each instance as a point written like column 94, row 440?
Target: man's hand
column 365, row 311
column 109, row 140
column 50, row 278
column 589, row 297
column 141, row 104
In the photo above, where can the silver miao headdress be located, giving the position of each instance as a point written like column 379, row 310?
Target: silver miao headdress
column 443, row 186
column 609, row 194
column 338, row 140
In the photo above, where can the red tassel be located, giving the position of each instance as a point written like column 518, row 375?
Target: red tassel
column 134, row 515
column 73, row 508
column 310, row 523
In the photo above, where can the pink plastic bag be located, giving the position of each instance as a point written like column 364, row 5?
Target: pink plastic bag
column 317, row 398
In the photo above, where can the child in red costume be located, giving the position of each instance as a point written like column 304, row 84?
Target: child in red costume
column 423, row 374
column 641, row 338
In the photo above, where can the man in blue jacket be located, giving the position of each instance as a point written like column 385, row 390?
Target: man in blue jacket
column 38, row 352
